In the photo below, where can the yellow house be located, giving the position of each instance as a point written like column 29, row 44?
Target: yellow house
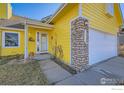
column 77, row 34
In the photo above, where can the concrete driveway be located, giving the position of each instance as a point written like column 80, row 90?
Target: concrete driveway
column 109, row 72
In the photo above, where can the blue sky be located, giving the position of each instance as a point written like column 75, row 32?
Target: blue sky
column 122, row 8
column 34, row 11
column 38, row 11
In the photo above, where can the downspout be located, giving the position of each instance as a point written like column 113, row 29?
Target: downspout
column 26, row 41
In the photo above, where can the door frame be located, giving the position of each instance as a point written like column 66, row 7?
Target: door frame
column 37, row 52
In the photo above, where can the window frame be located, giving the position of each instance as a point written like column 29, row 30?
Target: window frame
column 108, row 9
column 3, row 40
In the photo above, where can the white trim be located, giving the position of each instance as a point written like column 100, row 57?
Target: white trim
column 40, row 42
column 80, row 9
column 3, row 40
column 36, row 42
column 101, row 30
column 47, row 40
column 70, row 45
column 26, row 41
column 7, row 11
column 7, row 28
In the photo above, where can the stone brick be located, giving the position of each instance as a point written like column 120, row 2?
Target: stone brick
column 79, row 47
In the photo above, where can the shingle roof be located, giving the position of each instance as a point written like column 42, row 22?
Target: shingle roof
column 18, row 21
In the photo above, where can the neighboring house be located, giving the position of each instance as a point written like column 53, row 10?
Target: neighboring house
column 121, row 41
column 45, row 19
column 77, row 34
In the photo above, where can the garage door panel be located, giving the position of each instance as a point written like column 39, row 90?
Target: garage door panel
column 101, row 46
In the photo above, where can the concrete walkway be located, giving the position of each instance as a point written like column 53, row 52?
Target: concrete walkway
column 53, row 71
column 103, row 73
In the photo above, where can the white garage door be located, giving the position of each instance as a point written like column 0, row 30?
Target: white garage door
column 101, row 46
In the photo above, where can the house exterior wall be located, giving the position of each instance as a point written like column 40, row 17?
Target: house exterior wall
column 104, row 33
column 16, row 50
column 98, row 19
column 3, row 8
column 32, row 33
column 20, row 50
column 118, row 14
column 96, row 15
column 61, row 35
column 5, row 11
column 59, row 43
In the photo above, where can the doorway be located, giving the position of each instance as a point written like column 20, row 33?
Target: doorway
column 42, row 42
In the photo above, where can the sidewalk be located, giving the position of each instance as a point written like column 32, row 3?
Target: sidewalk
column 53, row 71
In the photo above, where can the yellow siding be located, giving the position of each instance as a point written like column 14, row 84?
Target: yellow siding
column 61, row 34
column 118, row 14
column 13, row 51
column 31, row 44
column 59, row 37
column 5, row 11
column 98, row 19
column 32, row 33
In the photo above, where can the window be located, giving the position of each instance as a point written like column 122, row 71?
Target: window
column 110, row 9
column 10, row 39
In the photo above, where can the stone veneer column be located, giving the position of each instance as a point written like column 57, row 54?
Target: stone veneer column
column 79, row 43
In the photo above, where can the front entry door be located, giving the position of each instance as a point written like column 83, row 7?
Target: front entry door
column 42, row 42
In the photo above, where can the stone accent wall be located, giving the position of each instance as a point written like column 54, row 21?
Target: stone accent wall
column 79, row 43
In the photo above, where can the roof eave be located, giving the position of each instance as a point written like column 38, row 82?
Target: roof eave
column 8, row 28
column 57, row 12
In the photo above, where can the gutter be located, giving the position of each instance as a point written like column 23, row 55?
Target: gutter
column 40, row 24
column 7, row 28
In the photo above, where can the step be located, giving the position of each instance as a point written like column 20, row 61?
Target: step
column 42, row 57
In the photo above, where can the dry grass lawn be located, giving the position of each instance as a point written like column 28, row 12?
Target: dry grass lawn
column 22, row 74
